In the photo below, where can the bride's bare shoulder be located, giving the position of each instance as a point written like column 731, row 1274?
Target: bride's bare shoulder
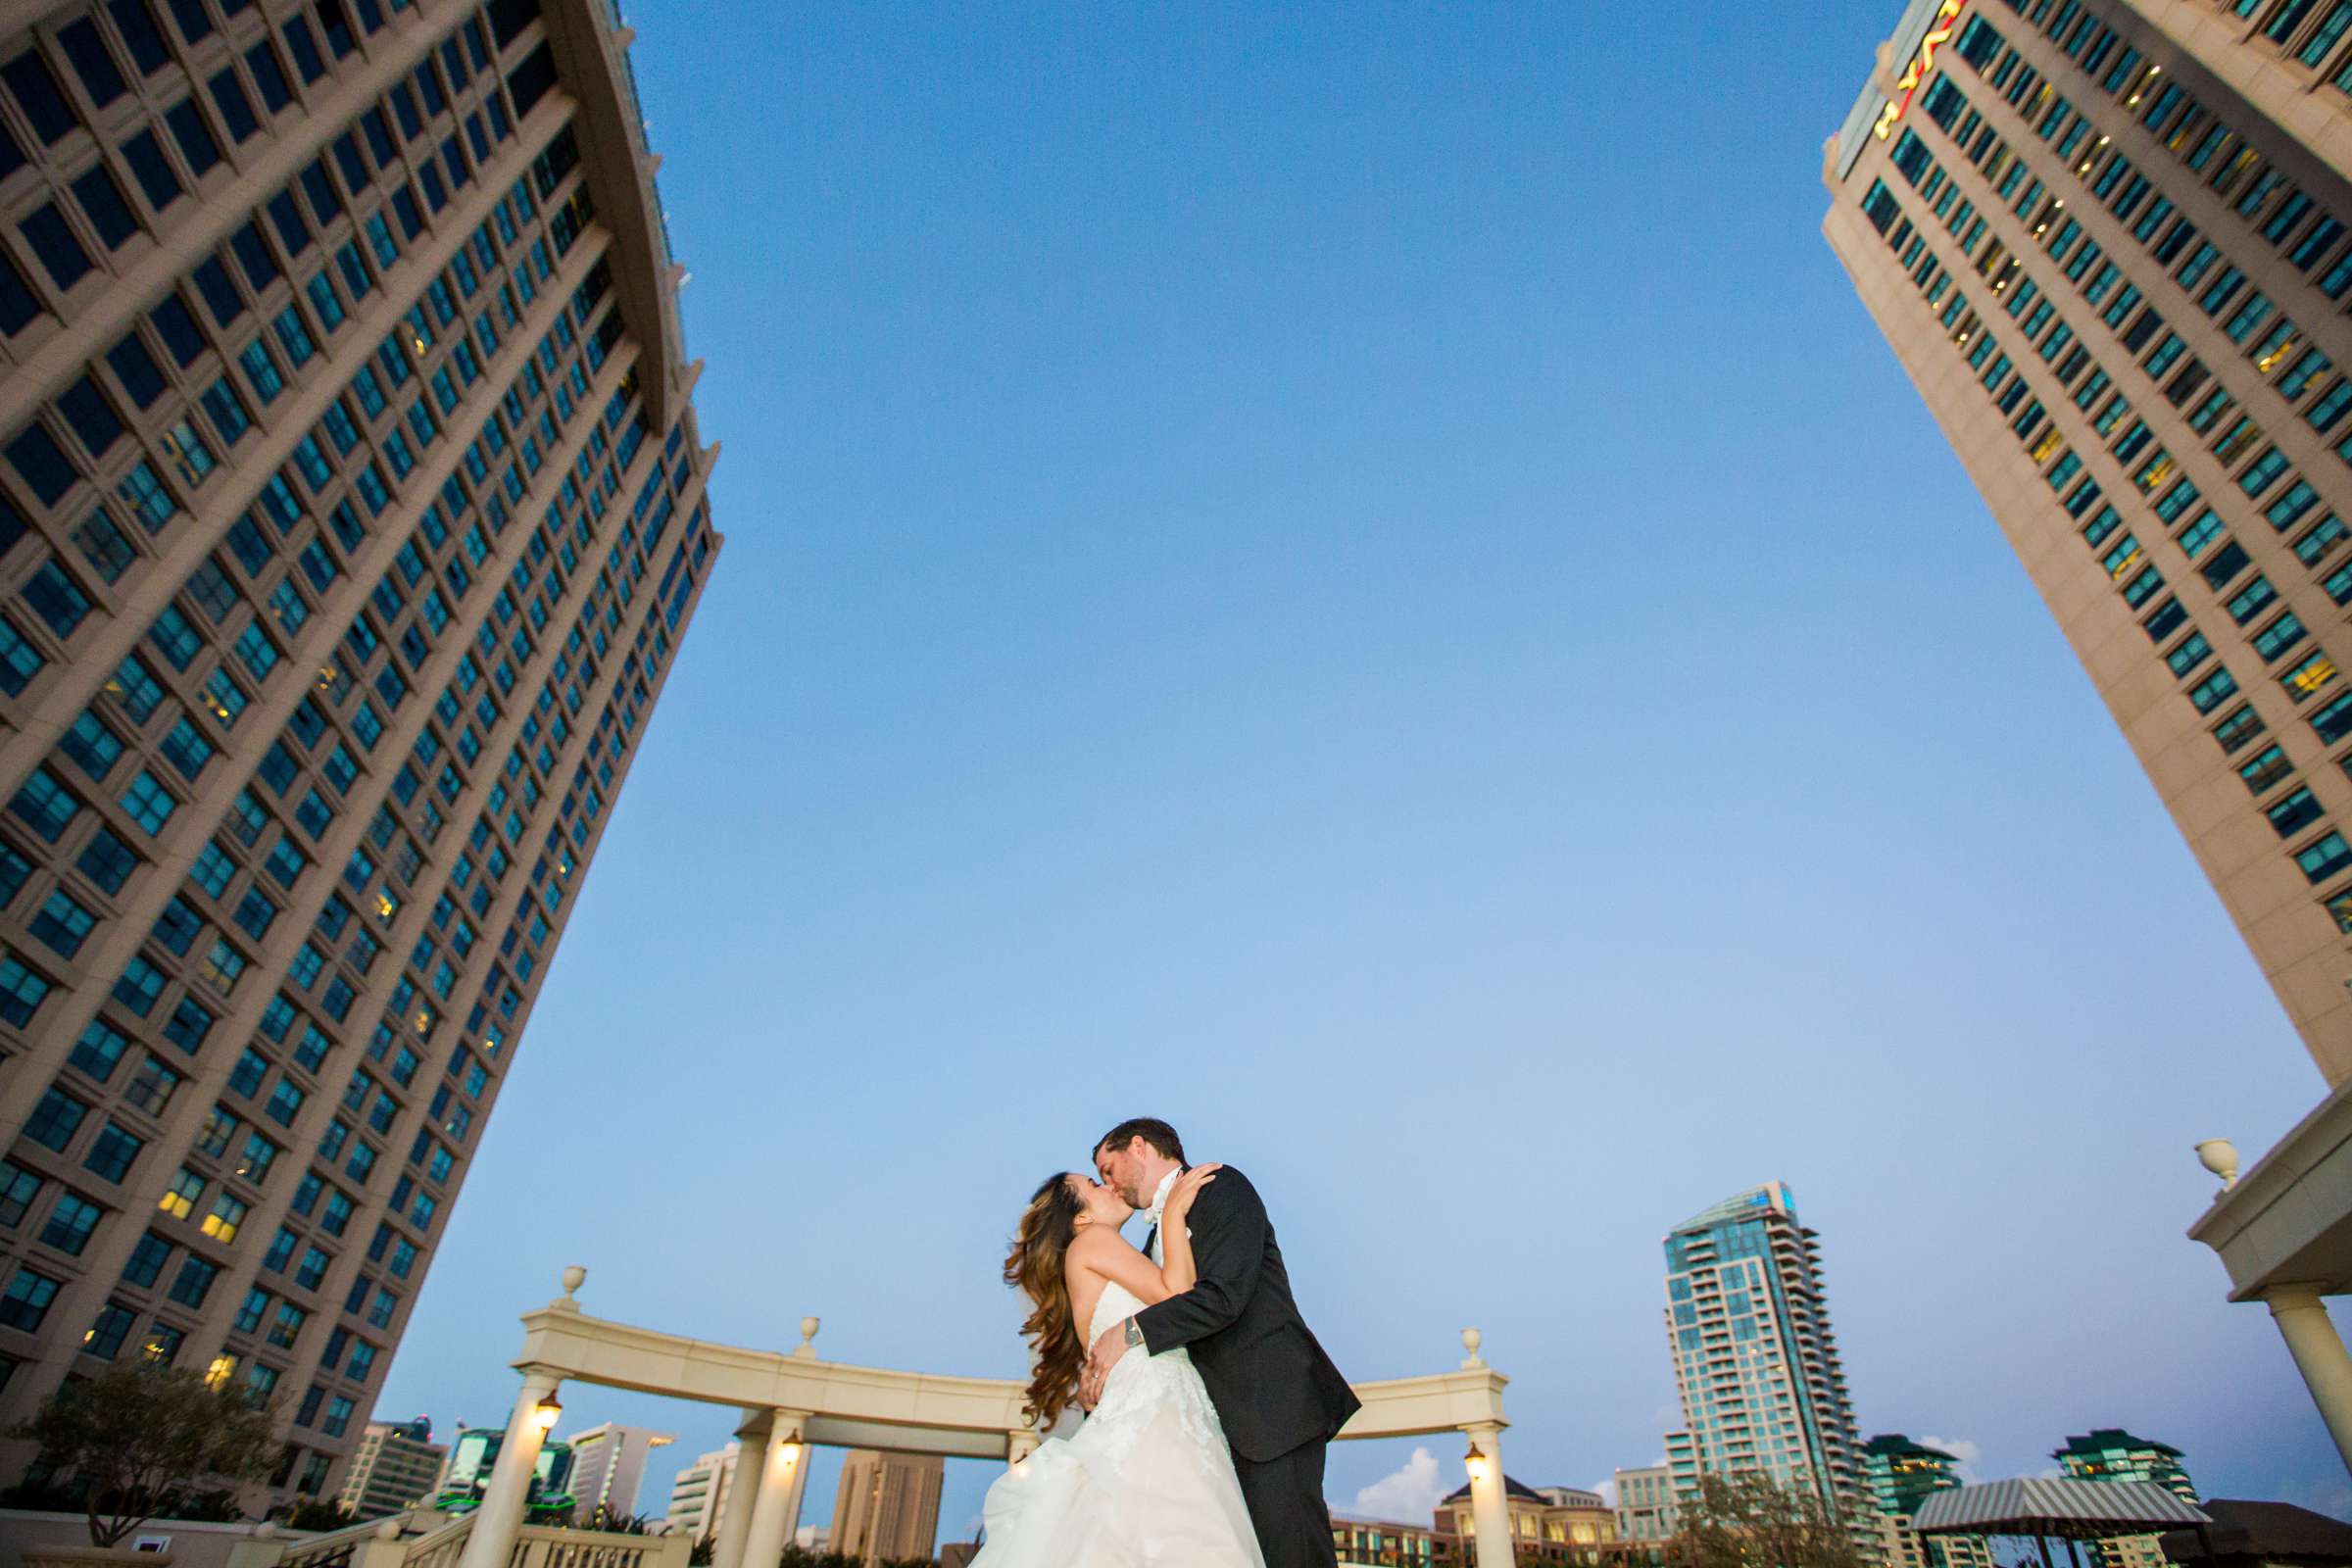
column 1092, row 1248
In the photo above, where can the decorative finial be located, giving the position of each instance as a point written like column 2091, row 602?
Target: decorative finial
column 807, row 1349
column 389, row 1529
column 573, row 1278
column 2220, row 1157
column 1471, row 1340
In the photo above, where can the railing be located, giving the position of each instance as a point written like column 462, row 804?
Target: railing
column 419, row 1538
column 439, row 1547
column 544, row 1547
column 423, row 1538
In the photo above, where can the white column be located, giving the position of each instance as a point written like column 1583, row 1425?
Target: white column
column 776, row 1471
column 1489, row 1513
column 735, row 1510
column 799, row 1475
column 490, row 1544
column 2320, row 1355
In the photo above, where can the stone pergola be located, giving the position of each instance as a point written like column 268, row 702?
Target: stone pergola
column 791, row 1400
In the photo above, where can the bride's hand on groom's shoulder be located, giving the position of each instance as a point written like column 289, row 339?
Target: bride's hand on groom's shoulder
column 1188, row 1187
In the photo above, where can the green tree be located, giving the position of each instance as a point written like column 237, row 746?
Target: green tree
column 142, row 1439
column 1748, row 1520
column 316, row 1514
column 605, row 1517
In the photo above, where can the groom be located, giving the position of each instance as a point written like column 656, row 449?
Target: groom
column 1278, row 1395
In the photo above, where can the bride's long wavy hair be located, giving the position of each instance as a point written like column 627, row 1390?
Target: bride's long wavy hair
column 1035, row 1265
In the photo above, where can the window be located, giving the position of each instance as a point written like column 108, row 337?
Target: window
column 70, row 1223
column 229, row 1213
column 151, row 1086
column 147, row 1259
column 91, row 746
column 2313, row 674
column 45, row 804
column 258, row 1155
column 2279, row 636
column 17, row 1188
column 2297, row 810
column 61, row 254
column 141, row 986
column 107, row 860
column 26, row 1300
column 55, row 1119
column 62, row 925
column 249, row 1316
column 247, row 1077
column 193, row 1281
column 112, row 1153
column 2209, row 693
column 2325, row 858
column 149, row 803
column 313, row 1269
column 106, row 1335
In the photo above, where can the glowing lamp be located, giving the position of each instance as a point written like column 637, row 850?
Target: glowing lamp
column 547, row 1412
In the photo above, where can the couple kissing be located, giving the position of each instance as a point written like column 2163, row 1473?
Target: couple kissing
column 1210, row 1402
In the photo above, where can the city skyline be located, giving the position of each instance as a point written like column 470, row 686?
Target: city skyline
column 972, row 735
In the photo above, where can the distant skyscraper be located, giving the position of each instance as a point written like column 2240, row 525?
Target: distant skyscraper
column 1645, row 1503
column 699, row 1494
column 1755, row 1360
column 1903, row 1474
column 396, row 1466
column 2110, row 1453
column 888, row 1506
column 2110, row 241
column 608, row 1467
column 352, row 509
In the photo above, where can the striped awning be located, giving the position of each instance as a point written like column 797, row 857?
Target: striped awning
column 2080, row 1509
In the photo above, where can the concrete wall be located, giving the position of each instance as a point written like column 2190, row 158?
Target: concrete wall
column 193, row 1545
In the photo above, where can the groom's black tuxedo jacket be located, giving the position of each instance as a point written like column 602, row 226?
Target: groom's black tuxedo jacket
column 1274, row 1388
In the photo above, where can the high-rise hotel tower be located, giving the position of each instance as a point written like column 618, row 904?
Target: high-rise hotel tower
column 2111, row 242
column 351, row 511
column 1757, row 1367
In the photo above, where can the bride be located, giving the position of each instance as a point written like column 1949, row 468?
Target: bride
column 1146, row 1480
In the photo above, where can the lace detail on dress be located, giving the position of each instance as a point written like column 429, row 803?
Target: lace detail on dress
column 1146, row 1482
column 1143, row 1386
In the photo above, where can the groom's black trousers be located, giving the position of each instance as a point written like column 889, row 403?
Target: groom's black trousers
column 1285, row 1497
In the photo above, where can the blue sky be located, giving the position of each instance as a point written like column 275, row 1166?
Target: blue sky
column 1357, row 578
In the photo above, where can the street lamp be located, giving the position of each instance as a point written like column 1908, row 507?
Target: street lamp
column 1475, row 1461
column 547, row 1412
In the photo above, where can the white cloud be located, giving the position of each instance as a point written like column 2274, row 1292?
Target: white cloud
column 1960, row 1448
column 1408, row 1497
column 1607, row 1490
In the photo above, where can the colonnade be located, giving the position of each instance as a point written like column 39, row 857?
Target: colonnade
column 863, row 1407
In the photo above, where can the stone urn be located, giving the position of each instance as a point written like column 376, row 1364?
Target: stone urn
column 75, row 1557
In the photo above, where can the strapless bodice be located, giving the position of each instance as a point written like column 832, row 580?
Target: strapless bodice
column 1116, row 1303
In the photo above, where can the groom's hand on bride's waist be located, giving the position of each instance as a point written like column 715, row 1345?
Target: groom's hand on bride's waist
column 1100, row 1360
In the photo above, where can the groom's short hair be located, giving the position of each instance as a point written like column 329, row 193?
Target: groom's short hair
column 1151, row 1130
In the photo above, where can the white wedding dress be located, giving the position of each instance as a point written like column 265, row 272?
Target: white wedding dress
column 1146, row 1482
